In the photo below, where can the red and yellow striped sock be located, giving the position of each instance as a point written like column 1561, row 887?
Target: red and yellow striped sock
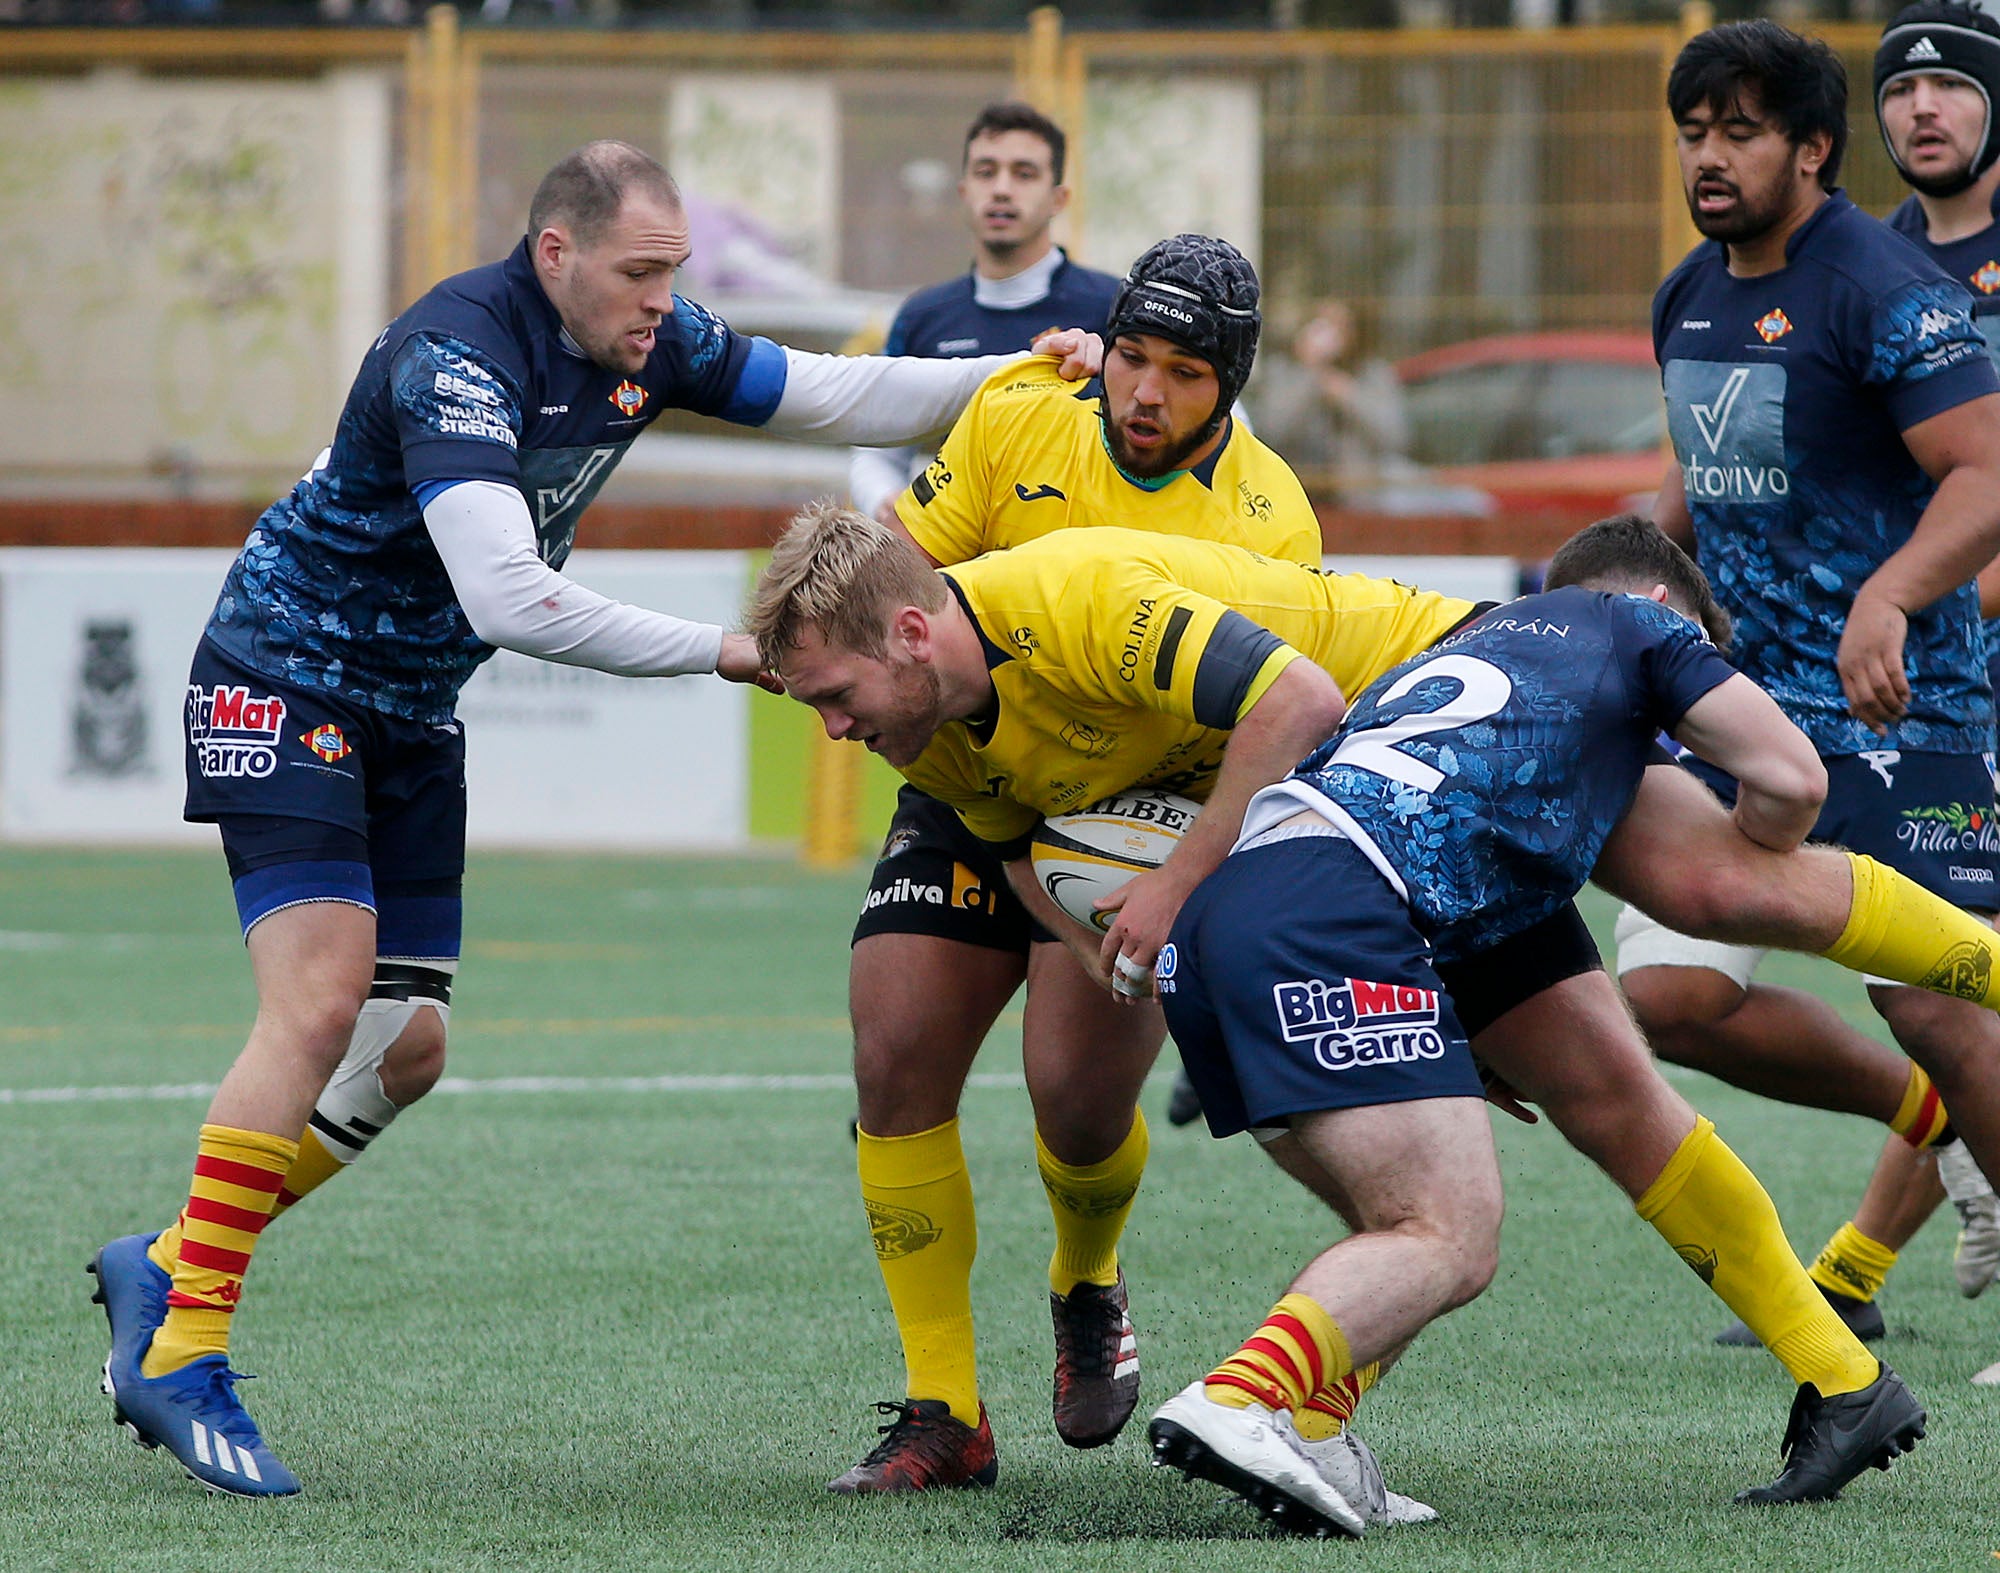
column 1922, row 1118
column 237, row 1175
column 1329, row 1410
column 1297, row 1351
column 313, row 1167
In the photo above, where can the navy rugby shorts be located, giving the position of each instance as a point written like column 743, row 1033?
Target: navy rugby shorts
column 936, row 877
column 1295, row 982
column 1928, row 816
column 263, row 752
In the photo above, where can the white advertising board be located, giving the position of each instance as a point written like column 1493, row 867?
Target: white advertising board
column 94, row 648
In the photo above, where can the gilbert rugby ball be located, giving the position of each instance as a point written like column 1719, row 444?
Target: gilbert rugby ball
column 1081, row 856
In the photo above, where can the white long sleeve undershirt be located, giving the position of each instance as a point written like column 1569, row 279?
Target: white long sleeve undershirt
column 515, row 600
column 876, row 400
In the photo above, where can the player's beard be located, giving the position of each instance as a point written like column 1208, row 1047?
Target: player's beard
column 1940, row 185
column 1163, row 460
column 1748, row 220
column 919, row 707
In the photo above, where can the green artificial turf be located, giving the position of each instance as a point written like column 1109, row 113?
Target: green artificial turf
column 601, row 1326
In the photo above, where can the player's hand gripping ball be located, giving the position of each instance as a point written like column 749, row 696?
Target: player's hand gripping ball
column 1082, row 856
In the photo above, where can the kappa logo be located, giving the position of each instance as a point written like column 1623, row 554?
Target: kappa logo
column 1713, row 419
column 232, row 733
column 1986, row 279
column 1923, row 49
column 1882, row 761
column 1352, row 1023
column 326, row 741
column 1772, row 326
column 629, row 397
column 1935, row 321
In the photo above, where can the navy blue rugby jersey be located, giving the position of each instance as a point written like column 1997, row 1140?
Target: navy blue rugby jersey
column 1786, row 398
column 945, row 321
column 1975, row 263
column 1486, row 772
column 339, row 587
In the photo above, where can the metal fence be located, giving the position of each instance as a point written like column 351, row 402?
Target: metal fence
column 213, row 224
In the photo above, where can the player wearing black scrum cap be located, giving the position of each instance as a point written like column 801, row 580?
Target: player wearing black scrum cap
column 943, row 943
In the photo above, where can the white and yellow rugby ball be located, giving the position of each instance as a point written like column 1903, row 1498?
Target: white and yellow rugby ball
column 1081, row 856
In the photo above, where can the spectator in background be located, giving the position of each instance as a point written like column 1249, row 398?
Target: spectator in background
column 1020, row 282
column 1329, row 410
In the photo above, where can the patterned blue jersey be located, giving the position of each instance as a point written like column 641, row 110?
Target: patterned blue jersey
column 1484, row 775
column 1975, row 263
column 338, row 586
column 1787, row 395
column 946, row 321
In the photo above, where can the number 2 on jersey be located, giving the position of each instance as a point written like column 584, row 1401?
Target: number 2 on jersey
column 1483, row 689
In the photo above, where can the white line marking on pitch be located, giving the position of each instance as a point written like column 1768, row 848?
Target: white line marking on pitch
column 460, row 1085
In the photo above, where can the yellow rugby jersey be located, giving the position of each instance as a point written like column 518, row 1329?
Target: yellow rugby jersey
column 1121, row 658
column 1027, row 458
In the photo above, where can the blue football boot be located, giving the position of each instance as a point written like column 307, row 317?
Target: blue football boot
column 133, row 1292
column 193, row 1412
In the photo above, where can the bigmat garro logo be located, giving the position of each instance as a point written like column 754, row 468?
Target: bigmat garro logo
column 233, row 732
column 1351, row 1022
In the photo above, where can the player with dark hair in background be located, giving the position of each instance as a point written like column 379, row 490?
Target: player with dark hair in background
column 1021, row 282
column 1309, row 983
column 320, row 730
column 1937, row 74
column 1838, row 463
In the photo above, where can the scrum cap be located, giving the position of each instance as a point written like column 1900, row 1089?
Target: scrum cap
column 1951, row 38
column 1202, row 293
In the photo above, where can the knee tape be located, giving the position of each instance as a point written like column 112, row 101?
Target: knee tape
column 353, row 1110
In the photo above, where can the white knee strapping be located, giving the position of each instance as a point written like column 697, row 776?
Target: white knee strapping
column 353, row 1110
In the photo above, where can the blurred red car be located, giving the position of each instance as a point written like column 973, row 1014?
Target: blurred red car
column 1567, row 423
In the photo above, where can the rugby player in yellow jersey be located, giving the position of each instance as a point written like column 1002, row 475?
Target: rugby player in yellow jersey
column 1043, row 641
column 1029, row 681
column 1151, row 446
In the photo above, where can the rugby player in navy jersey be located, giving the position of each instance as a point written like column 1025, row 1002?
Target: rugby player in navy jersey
column 1021, row 282
column 1309, row 983
column 1838, row 466
column 320, row 731
column 1937, row 70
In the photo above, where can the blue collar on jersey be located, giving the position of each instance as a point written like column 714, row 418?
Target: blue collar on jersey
column 981, row 726
column 1835, row 199
column 1203, row 472
column 995, row 656
column 519, row 272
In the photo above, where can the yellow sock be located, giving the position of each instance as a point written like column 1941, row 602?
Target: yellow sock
column 1720, row 1221
column 236, row 1180
column 1921, row 1118
column 919, row 1200
column 313, row 1167
column 1329, row 1410
column 1896, row 929
column 1298, row 1351
column 1091, row 1203
column 1852, row 1264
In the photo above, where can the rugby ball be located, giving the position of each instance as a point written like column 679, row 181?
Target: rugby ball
column 1090, row 853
